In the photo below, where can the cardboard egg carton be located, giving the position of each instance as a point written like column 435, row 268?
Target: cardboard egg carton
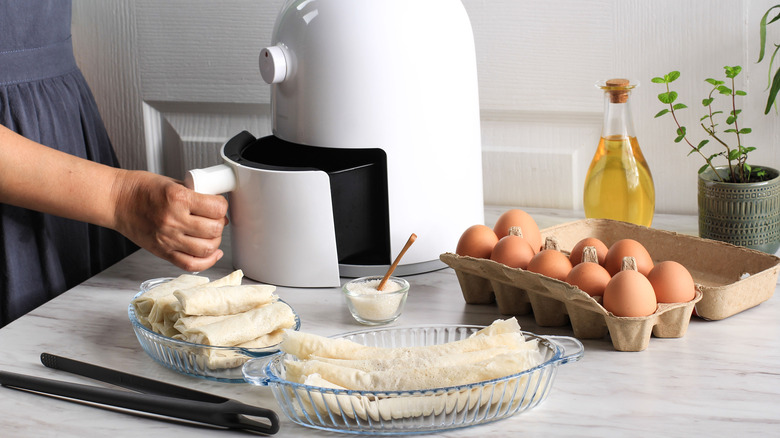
column 729, row 279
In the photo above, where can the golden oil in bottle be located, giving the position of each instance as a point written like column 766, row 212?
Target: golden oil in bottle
column 619, row 184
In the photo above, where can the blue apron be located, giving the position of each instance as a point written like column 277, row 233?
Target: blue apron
column 44, row 97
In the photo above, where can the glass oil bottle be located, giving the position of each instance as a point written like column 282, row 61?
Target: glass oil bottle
column 618, row 184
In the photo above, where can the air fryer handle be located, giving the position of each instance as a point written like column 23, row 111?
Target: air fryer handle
column 217, row 179
column 212, row 180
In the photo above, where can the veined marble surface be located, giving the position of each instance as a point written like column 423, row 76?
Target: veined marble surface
column 721, row 379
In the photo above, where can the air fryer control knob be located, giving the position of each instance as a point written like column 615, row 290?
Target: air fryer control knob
column 273, row 64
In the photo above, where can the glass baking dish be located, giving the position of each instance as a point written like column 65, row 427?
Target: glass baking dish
column 222, row 364
column 409, row 412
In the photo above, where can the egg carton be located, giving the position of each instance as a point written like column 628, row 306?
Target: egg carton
column 729, row 279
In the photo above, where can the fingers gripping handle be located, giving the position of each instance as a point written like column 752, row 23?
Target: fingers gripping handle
column 213, row 180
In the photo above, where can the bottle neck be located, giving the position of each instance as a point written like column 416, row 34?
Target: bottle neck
column 618, row 121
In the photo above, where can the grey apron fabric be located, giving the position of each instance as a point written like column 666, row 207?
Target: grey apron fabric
column 44, row 97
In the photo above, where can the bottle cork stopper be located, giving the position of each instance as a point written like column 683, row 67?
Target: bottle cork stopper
column 589, row 254
column 551, row 243
column 629, row 264
column 617, row 90
column 515, row 231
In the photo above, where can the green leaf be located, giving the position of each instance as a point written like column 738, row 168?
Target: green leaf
column 734, row 154
column 740, row 93
column 745, row 131
column 730, row 120
column 722, row 89
column 731, row 130
column 732, row 72
column 772, row 68
column 703, row 168
column 762, row 31
column 713, row 82
column 735, row 112
column 704, row 117
column 672, row 76
column 658, row 80
column 707, row 102
column 662, row 112
column 773, row 92
column 679, row 106
column 747, row 150
column 701, row 144
column 668, row 97
column 717, row 112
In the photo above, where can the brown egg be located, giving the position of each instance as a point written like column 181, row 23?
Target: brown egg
column 627, row 248
column 513, row 251
column 576, row 253
column 477, row 241
column 552, row 263
column 590, row 277
column 519, row 218
column 629, row 293
column 672, row 282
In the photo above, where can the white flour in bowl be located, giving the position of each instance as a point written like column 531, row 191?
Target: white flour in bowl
column 372, row 304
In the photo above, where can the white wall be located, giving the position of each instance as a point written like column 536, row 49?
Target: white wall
column 174, row 79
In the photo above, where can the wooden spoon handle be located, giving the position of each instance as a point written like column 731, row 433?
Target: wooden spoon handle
column 409, row 243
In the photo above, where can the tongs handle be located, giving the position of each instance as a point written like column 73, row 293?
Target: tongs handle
column 226, row 414
column 125, row 380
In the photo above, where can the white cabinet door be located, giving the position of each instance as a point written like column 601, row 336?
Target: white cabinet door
column 174, row 79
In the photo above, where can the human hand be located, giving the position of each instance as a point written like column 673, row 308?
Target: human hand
column 169, row 220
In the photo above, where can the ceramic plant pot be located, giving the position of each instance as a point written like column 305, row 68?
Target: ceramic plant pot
column 744, row 214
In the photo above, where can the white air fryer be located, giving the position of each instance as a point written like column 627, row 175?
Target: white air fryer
column 376, row 136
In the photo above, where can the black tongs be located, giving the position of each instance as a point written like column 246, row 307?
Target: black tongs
column 152, row 396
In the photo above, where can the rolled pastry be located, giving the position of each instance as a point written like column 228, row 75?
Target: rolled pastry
column 187, row 323
column 243, row 327
column 305, row 345
column 145, row 304
column 171, row 311
column 225, row 300
column 406, row 379
column 423, row 361
column 218, row 359
column 232, row 279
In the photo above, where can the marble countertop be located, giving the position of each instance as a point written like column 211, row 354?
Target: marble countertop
column 721, row 379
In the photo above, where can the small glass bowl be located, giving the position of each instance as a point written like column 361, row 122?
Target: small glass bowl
column 371, row 307
column 221, row 364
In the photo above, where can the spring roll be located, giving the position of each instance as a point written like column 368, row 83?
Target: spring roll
column 305, row 345
column 405, row 379
column 159, row 295
column 243, row 327
column 225, row 300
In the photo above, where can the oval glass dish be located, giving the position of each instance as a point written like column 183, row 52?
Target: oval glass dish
column 410, row 412
column 222, row 364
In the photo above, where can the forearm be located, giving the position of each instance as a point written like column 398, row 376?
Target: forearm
column 154, row 211
column 43, row 179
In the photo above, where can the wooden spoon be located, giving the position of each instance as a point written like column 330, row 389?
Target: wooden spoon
column 409, row 243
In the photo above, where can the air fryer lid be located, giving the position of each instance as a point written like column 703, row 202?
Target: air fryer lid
column 358, row 186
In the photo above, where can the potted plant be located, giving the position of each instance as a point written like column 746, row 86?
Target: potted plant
column 739, row 202
column 774, row 81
